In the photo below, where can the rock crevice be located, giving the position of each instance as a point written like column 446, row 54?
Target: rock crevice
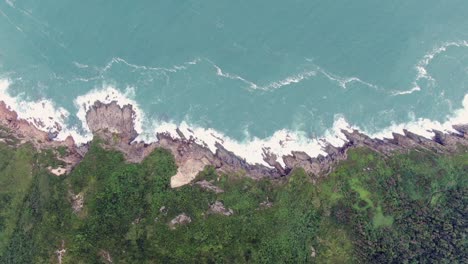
column 115, row 126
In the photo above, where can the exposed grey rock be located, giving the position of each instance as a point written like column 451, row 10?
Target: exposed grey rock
column 109, row 120
column 218, row 208
column 271, row 159
column 181, row 219
column 463, row 129
column 112, row 118
column 181, row 135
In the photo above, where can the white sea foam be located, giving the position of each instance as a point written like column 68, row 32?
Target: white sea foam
column 412, row 90
column 43, row 113
column 424, row 126
column 175, row 68
column 48, row 117
column 108, row 94
column 252, row 149
column 295, row 78
column 80, row 65
column 231, row 76
column 421, row 66
column 344, row 81
column 284, row 141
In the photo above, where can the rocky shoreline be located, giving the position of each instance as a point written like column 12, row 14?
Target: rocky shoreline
column 115, row 126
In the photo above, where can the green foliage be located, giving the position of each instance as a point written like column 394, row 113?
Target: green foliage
column 402, row 209
column 15, row 180
column 37, row 210
column 407, row 208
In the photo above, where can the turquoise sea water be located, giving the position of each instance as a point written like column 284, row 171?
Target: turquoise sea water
column 244, row 68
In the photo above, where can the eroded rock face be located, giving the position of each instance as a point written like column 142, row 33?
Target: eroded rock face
column 463, row 129
column 116, row 126
column 109, row 120
column 27, row 132
column 113, row 119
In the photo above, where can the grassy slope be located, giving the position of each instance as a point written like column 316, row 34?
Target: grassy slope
column 408, row 207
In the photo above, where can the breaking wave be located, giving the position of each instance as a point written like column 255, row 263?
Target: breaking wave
column 45, row 115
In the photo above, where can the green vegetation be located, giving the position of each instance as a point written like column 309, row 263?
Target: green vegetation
column 408, row 208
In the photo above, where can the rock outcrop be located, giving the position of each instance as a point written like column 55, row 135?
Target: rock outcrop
column 115, row 125
column 110, row 120
column 23, row 131
column 190, row 157
column 218, row 208
column 181, row 219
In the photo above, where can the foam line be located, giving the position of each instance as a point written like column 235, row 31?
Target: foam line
column 412, row 90
column 43, row 113
column 173, row 69
column 295, row 78
column 46, row 116
column 344, row 81
column 421, row 66
column 108, row 94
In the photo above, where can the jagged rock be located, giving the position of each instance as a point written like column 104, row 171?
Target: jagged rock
column 463, row 129
column 271, row 159
column 52, row 135
column 218, row 208
column 302, row 160
column 115, row 125
column 181, row 135
column 191, row 158
column 25, row 131
column 114, row 119
column 209, row 186
column 449, row 140
column 181, row 219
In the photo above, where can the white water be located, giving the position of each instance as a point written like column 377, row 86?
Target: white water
column 45, row 115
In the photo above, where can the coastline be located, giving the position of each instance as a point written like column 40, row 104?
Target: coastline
column 116, row 126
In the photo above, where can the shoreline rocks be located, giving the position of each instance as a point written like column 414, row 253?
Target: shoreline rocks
column 116, row 127
column 27, row 132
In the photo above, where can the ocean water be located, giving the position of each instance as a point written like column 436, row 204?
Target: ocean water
column 280, row 75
